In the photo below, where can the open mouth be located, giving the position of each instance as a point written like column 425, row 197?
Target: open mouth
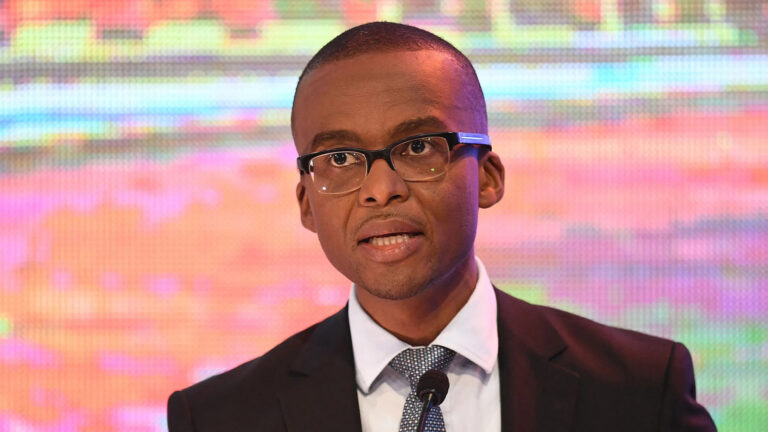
column 389, row 239
column 390, row 242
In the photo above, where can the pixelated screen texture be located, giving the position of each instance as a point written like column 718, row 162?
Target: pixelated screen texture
column 149, row 232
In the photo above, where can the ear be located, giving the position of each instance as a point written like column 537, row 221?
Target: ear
column 491, row 180
column 305, row 209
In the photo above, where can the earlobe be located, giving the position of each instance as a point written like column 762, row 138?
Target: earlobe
column 304, row 208
column 491, row 180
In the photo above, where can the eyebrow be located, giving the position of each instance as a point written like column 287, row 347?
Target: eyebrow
column 418, row 125
column 334, row 135
column 408, row 127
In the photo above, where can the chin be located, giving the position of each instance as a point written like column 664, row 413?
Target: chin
column 392, row 293
column 395, row 287
column 399, row 284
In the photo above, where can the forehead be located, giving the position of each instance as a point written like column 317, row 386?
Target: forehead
column 370, row 95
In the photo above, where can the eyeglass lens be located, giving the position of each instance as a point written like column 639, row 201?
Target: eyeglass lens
column 414, row 160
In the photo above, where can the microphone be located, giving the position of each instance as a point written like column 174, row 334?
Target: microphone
column 431, row 390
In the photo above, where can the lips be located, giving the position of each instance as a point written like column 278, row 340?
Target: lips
column 389, row 241
column 386, row 232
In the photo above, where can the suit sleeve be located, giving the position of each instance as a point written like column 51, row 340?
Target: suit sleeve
column 680, row 411
column 179, row 414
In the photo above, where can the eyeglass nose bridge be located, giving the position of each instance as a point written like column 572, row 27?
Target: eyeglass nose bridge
column 373, row 156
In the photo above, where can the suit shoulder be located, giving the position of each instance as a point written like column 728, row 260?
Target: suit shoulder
column 588, row 347
column 264, row 372
column 611, row 351
column 578, row 328
column 625, row 377
column 248, row 396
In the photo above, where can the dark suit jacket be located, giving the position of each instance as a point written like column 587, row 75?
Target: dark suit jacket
column 558, row 371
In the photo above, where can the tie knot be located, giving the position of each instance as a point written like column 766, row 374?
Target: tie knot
column 413, row 362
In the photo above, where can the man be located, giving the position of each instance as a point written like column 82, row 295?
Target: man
column 390, row 125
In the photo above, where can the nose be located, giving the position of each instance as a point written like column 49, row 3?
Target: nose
column 382, row 186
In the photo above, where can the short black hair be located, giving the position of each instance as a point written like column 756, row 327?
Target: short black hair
column 383, row 36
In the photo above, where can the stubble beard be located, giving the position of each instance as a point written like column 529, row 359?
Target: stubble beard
column 399, row 285
column 402, row 285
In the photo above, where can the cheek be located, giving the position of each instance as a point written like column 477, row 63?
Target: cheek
column 463, row 214
column 462, row 182
column 462, row 197
column 453, row 203
column 330, row 217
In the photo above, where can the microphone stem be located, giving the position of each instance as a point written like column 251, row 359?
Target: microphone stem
column 428, row 401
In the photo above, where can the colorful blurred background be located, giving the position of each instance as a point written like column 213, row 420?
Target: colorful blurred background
column 149, row 235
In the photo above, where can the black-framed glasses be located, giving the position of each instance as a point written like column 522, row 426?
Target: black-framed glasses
column 421, row 157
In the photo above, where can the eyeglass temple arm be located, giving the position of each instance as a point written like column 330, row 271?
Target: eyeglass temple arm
column 473, row 138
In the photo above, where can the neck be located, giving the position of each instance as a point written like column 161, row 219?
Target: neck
column 418, row 320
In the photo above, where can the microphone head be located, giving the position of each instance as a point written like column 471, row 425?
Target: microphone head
column 433, row 381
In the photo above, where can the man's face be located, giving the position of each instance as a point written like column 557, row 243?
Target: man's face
column 392, row 238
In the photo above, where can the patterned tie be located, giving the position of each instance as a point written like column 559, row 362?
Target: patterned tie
column 412, row 363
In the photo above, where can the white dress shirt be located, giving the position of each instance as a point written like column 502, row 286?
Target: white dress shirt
column 473, row 402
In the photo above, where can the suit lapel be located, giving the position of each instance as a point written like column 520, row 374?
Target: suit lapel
column 322, row 394
column 537, row 394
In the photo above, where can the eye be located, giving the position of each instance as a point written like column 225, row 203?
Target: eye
column 417, row 147
column 342, row 159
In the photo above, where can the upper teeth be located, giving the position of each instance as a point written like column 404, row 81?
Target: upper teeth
column 389, row 240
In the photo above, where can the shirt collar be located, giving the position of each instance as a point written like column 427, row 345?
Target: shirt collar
column 472, row 333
